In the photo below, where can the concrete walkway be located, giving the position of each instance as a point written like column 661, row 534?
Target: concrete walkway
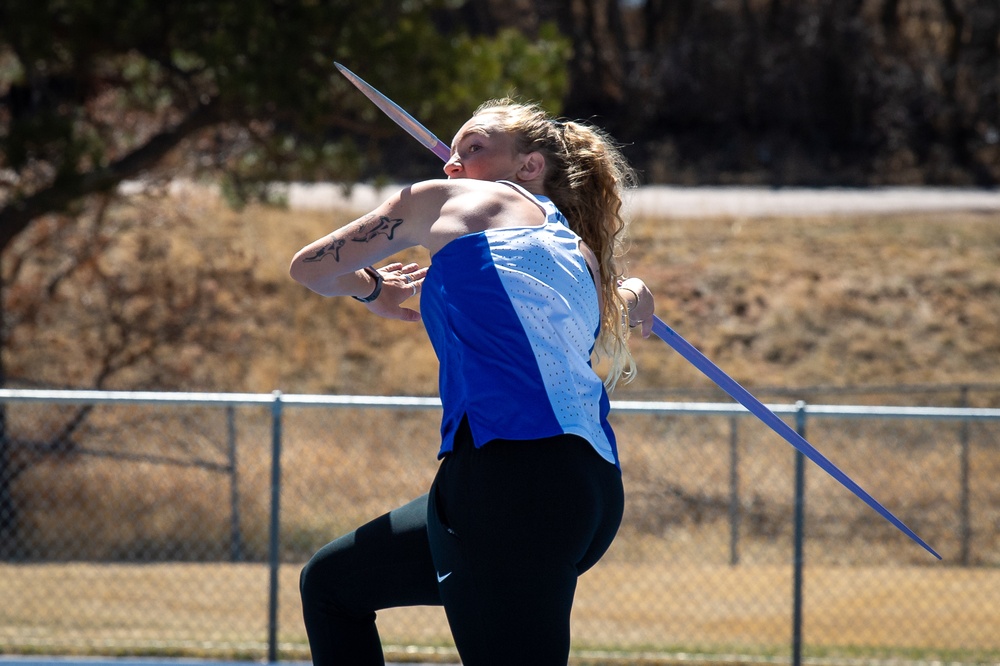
column 669, row 201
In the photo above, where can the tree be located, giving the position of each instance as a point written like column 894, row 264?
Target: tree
column 823, row 92
column 94, row 92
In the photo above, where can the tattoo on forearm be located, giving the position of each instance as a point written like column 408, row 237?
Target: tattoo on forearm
column 331, row 248
column 370, row 228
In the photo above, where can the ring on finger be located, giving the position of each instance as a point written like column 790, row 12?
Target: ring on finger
column 408, row 278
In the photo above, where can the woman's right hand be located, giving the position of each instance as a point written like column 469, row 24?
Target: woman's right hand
column 400, row 282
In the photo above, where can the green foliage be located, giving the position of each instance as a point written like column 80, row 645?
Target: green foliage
column 87, row 83
column 507, row 65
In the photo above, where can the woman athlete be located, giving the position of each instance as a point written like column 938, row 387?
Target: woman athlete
column 525, row 286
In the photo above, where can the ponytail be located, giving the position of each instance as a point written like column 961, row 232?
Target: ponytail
column 585, row 177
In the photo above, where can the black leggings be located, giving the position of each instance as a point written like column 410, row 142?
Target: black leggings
column 499, row 541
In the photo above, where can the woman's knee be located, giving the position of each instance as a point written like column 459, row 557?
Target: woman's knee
column 320, row 581
column 307, row 578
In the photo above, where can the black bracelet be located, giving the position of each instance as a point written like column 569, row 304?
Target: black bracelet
column 378, row 285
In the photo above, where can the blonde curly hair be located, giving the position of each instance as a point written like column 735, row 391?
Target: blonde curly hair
column 585, row 176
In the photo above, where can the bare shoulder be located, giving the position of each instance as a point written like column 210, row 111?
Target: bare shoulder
column 496, row 203
column 459, row 196
column 469, row 206
column 450, row 188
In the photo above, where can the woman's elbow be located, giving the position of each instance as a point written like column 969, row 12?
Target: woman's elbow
column 304, row 273
column 297, row 272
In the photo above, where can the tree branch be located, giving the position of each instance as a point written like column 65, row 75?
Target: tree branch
column 18, row 214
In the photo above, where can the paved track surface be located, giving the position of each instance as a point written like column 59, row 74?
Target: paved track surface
column 138, row 661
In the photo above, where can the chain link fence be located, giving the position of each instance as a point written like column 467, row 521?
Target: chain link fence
column 177, row 524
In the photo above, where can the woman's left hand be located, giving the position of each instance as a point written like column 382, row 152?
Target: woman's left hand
column 400, row 282
column 641, row 313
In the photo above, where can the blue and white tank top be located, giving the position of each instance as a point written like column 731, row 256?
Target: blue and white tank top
column 513, row 316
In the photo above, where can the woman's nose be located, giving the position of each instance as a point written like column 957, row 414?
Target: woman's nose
column 452, row 167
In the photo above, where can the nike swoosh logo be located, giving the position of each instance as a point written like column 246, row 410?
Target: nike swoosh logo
column 441, row 578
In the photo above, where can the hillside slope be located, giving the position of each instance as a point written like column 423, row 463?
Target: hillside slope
column 793, row 301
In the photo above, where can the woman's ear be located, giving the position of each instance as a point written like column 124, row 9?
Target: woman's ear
column 532, row 166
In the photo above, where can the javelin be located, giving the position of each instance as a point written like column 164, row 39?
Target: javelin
column 664, row 332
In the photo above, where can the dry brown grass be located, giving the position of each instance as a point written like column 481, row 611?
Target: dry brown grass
column 789, row 301
column 343, row 467
column 710, row 608
column 828, row 300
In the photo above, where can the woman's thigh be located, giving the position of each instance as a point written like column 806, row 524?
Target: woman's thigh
column 385, row 563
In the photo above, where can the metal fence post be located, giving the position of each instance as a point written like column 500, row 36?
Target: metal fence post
column 734, row 494
column 799, row 538
column 964, row 511
column 274, row 546
column 235, row 533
